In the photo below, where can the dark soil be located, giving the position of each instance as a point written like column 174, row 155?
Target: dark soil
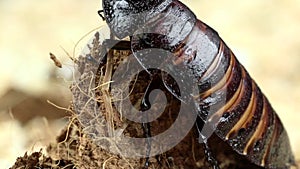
column 74, row 149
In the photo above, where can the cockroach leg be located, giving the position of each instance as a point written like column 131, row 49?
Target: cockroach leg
column 210, row 158
column 208, row 154
column 101, row 15
column 145, row 105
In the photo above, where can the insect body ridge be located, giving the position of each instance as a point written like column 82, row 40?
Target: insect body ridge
column 247, row 121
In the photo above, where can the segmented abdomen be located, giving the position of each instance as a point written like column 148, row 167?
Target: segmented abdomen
column 246, row 120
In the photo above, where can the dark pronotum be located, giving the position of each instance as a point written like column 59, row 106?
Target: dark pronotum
column 247, row 122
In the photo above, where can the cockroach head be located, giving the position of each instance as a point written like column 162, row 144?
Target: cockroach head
column 125, row 16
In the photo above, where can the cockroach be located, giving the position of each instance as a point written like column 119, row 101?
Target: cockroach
column 247, row 121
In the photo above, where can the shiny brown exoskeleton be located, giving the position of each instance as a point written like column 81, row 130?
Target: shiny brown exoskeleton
column 246, row 121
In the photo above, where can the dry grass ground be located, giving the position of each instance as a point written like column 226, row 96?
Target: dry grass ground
column 263, row 34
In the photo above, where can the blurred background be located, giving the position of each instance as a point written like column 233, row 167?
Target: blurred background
column 264, row 35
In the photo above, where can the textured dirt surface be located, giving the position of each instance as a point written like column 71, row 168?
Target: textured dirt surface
column 75, row 149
